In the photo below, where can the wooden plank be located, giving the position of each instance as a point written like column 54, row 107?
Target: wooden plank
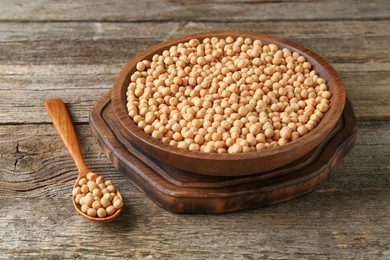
column 221, row 11
column 107, row 43
column 38, row 166
column 13, row 32
column 319, row 225
column 41, row 167
column 82, row 75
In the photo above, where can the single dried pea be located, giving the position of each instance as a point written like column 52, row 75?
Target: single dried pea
column 91, row 212
column 101, row 212
column 105, row 202
column 91, row 176
column 110, row 210
column 118, row 204
column 76, row 191
column 96, row 205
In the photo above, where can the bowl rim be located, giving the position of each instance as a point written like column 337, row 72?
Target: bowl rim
column 330, row 118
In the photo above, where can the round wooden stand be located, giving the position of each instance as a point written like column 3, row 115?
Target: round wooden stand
column 183, row 192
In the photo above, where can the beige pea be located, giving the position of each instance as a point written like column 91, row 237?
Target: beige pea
column 182, row 144
column 82, row 200
column 246, row 149
column 309, row 126
column 83, row 181
column 219, row 144
column 323, row 107
column 260, row 146
column 282, row 141
column 111, row 188
column 326, row 94
column 110, row 210
column 302, row 130
column 260, row 138
column 236, row 148
column 91, row 176
column 76, row 191
column 177, row 137
column 255, row 129
column 105, row 202
column 292, row 126
column 99, row 180
column 150, row 117
column 312, row 122
column 89, row 200
column 285, row 132
column 149, row 129
column 96, row 205
column 97, row 193
column 194, row 147
column 91, row 212
column 140, row 66
column 294, row 136
column 268, row 132
column 208, row 149
column 303, row 119
column 78, row 198
column 306, row 65
column 107, row 196
column 216, row 136
column 188, row 134
column 242, row 111
column 118, row 204
column 157, row 134
column 92, row 185
column 199, row 139
column 101, row 212
column 84, row 189
column 221, row 150
column 84, row 208
column 250, row 138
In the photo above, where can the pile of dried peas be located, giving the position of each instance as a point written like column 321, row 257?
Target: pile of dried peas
column 96, row 197
column 226, row 95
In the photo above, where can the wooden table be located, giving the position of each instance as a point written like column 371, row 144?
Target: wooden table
column 73, row 50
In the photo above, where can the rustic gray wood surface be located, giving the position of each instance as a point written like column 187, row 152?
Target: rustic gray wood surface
column 74, row 49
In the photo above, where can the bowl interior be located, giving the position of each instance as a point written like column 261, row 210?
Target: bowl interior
column 174, row 154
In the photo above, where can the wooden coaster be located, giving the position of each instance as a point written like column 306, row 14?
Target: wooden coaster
column 183, row 192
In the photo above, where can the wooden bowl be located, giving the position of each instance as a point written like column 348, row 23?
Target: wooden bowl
column 215, row 164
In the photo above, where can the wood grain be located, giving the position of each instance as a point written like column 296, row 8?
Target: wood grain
column 354, row 42
column 44, row 168
column 61, row 120
column 320, row 226
column 36, row 75
column 221, row 11
column 74, row 50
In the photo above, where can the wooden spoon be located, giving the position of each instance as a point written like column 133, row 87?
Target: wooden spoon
column 62, row 122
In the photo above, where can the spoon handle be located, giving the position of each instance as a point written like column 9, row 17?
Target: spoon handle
column 62, row 122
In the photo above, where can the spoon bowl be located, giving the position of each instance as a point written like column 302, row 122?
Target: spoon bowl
column 62, row 122
column 96, row 219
